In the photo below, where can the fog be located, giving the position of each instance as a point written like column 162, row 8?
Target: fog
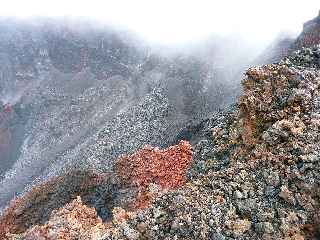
column 171, row 22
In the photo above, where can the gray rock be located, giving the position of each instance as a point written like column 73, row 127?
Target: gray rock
column 238, row 194
column 216, row 236
column 130, row 233
column 264, row 227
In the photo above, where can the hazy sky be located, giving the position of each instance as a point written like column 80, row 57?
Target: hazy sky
column 180, row 20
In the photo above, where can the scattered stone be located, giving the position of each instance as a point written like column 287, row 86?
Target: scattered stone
column 264, row 227
column 130, row 233
column 287, row 195
column 238, row 194
column 239, row 226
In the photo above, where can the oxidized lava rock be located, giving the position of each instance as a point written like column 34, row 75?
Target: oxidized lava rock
column 268, row 187
column 151, row 166
column 166, row 168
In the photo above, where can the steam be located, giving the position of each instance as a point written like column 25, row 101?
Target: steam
column 14, row 95
column 13, row 98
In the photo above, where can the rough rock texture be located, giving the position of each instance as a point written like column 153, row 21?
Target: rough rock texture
column 74, row 221
column 82, row 96
column 255, row 173
column 166, row 167
column 97, row 190
column 256, row 168
column 139, row 179
column 268, row 186
column 150, row 167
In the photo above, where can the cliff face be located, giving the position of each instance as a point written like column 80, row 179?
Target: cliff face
column 310, row 35
column 254, row 174
column 285, row 44
column 279, row 48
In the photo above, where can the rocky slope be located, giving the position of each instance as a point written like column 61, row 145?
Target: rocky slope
column 261, row 180
column 73, row 101
column 254, row 175
column 137, row 180
column 76, row 95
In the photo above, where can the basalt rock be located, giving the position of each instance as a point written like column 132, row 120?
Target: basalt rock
column 151, row 167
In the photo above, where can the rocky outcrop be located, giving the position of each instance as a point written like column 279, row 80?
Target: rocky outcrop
column 271, row 145
column 36, row 206
column 165, row 168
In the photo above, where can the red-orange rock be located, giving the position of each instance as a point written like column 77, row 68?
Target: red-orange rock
column 166, row 168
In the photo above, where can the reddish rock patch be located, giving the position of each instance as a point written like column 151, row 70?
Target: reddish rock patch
column 166, row 168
